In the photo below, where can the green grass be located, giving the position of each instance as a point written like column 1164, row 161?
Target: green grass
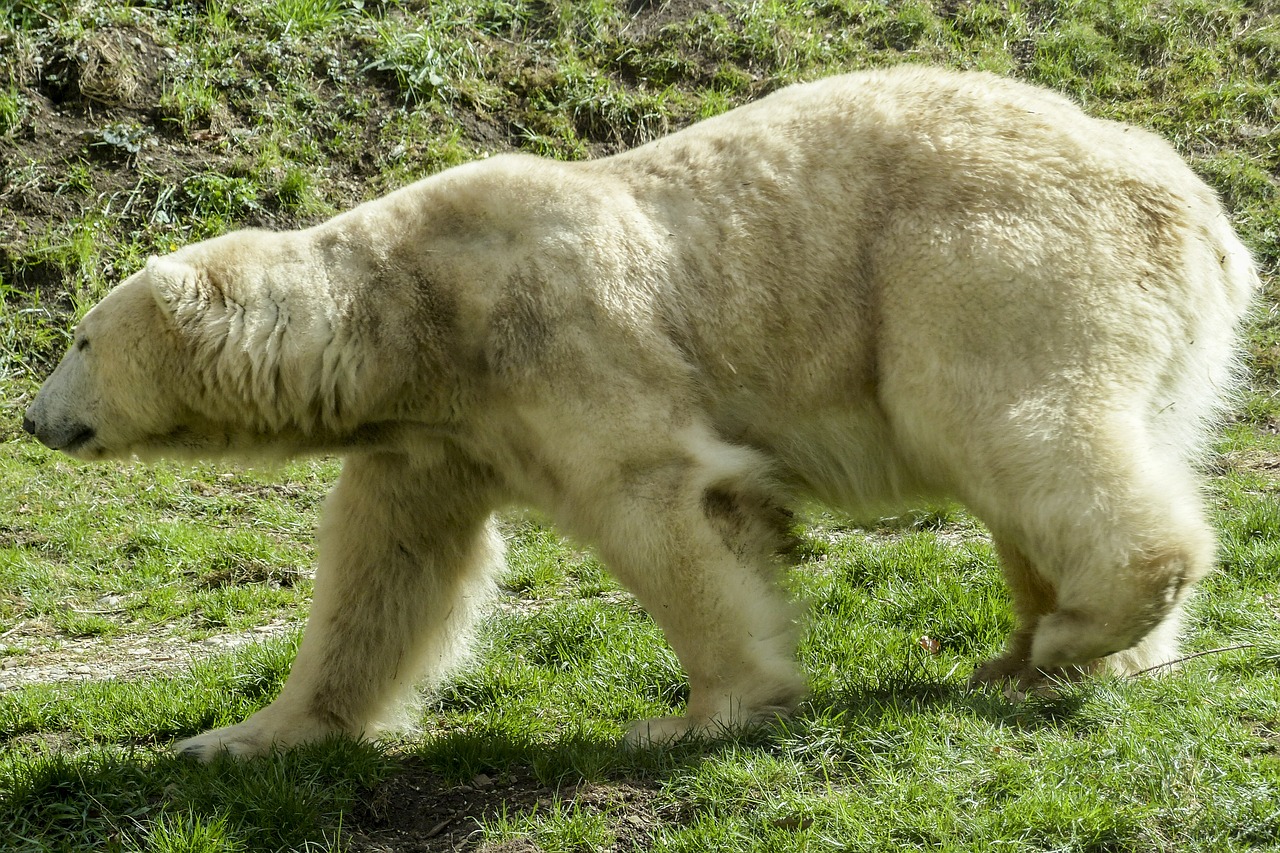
column 891, row 752
column 278, row 114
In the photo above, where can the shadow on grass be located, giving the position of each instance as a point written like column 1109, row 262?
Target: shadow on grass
column 120, row 799
column 437, row 794
column 873, row 705
column 336, row 794
column 444, row 789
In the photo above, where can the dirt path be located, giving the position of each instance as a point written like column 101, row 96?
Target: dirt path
column 30, row 657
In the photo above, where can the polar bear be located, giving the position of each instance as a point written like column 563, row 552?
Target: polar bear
column 868, row 290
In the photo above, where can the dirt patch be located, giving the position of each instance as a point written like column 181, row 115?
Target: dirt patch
column 88, row 138
column 30, row 655
column 417, row 811
column 111, row 67
column 650, row 16
column 105, row 130
column 1264, row 463
column 97, row 139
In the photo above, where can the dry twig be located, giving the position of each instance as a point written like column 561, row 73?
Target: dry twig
column 1192, row 657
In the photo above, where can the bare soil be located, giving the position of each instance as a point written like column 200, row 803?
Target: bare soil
column 36, row 656
column 97, row 101
column 416, row 811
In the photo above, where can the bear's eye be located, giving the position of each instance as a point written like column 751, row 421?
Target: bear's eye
column 83, row 344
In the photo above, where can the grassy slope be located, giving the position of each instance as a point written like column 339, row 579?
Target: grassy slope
column 128, row 128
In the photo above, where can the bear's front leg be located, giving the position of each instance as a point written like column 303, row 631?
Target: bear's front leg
column 407, row 552
column 693, row 530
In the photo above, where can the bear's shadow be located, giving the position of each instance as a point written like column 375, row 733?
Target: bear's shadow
column 883, row 705
column 445, row 786
column 434, row 794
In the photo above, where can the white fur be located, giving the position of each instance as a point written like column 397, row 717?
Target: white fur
column 870, row 289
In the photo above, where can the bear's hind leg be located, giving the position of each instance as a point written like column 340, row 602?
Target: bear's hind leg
column 1122, row 540
column 1156, row 652
column 1128, row 620
column 1033, row 596
column 406, row 555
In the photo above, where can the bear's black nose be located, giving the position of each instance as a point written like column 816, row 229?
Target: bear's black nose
column 29, row 425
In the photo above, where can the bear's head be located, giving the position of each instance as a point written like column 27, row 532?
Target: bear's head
column 213, row 349
column 113, row 393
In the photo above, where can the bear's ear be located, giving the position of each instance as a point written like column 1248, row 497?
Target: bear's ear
column 174, row 286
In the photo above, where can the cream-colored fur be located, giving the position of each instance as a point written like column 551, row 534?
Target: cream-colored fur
column 868, row 290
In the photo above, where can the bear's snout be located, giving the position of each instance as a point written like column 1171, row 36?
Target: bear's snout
column 67, row 437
